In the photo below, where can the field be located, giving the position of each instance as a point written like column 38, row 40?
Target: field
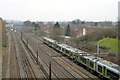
column 110, row 43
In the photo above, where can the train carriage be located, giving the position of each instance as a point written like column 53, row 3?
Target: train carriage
column 69, row 51
column 81, row 57
column 59, row 47
column 51, row 43
column 92, row 62
column 102, row 67
column 65, row 49
column 55, row 45
column 108, row 69
column 48, row 41
column 44, row 40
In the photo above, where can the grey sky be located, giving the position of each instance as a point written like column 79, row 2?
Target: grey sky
column 59, row 10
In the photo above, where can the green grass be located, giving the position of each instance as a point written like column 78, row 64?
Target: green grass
column 110, row 43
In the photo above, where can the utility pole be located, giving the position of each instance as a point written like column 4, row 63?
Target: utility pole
column 37, row 57
column 50, row 71
column 98, row 50
column 37, row 54
column 21, row 35
column 27, row 41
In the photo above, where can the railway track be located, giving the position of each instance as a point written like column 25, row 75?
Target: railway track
column 43, row 63
column 14, row 65
column 63, row 70
column 24, row 62
column 24, row 66
column 76, row 74
column 72, row 65
column 33, row 56
column 39, row 42
column 56, row 68
column 58, row 73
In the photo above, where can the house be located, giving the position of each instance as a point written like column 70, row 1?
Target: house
column 83, row 31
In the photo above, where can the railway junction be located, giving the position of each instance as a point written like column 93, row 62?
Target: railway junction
column 31, row 59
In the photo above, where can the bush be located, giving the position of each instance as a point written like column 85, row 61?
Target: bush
column 100, row 33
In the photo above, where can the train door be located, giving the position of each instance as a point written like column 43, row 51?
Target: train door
column 104, row 71
column 88, row 62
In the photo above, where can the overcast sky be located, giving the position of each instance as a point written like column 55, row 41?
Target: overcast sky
column 59, row 10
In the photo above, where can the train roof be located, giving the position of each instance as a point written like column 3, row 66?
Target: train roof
column 49, row 39
column 59, row 44
column 111, row 66
column 91, row 58
column 69, row 47
column 82, row 53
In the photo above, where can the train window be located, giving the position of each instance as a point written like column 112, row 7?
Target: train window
column 112, row 74
column 83, row 60
column 66, row 51
column 100, row 68
column 50, row 43
column 62, row 49
column 59, row 48
column 55, row 45
column 91, row 64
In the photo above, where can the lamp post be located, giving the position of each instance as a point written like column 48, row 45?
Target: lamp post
column 98, row 50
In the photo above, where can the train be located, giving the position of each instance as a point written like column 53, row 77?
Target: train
column 100, row 66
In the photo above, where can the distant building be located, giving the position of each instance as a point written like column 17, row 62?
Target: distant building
column 105, row 24
column 84, row 31
column 9, row 26
column 79, row 32
column 99, row 24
